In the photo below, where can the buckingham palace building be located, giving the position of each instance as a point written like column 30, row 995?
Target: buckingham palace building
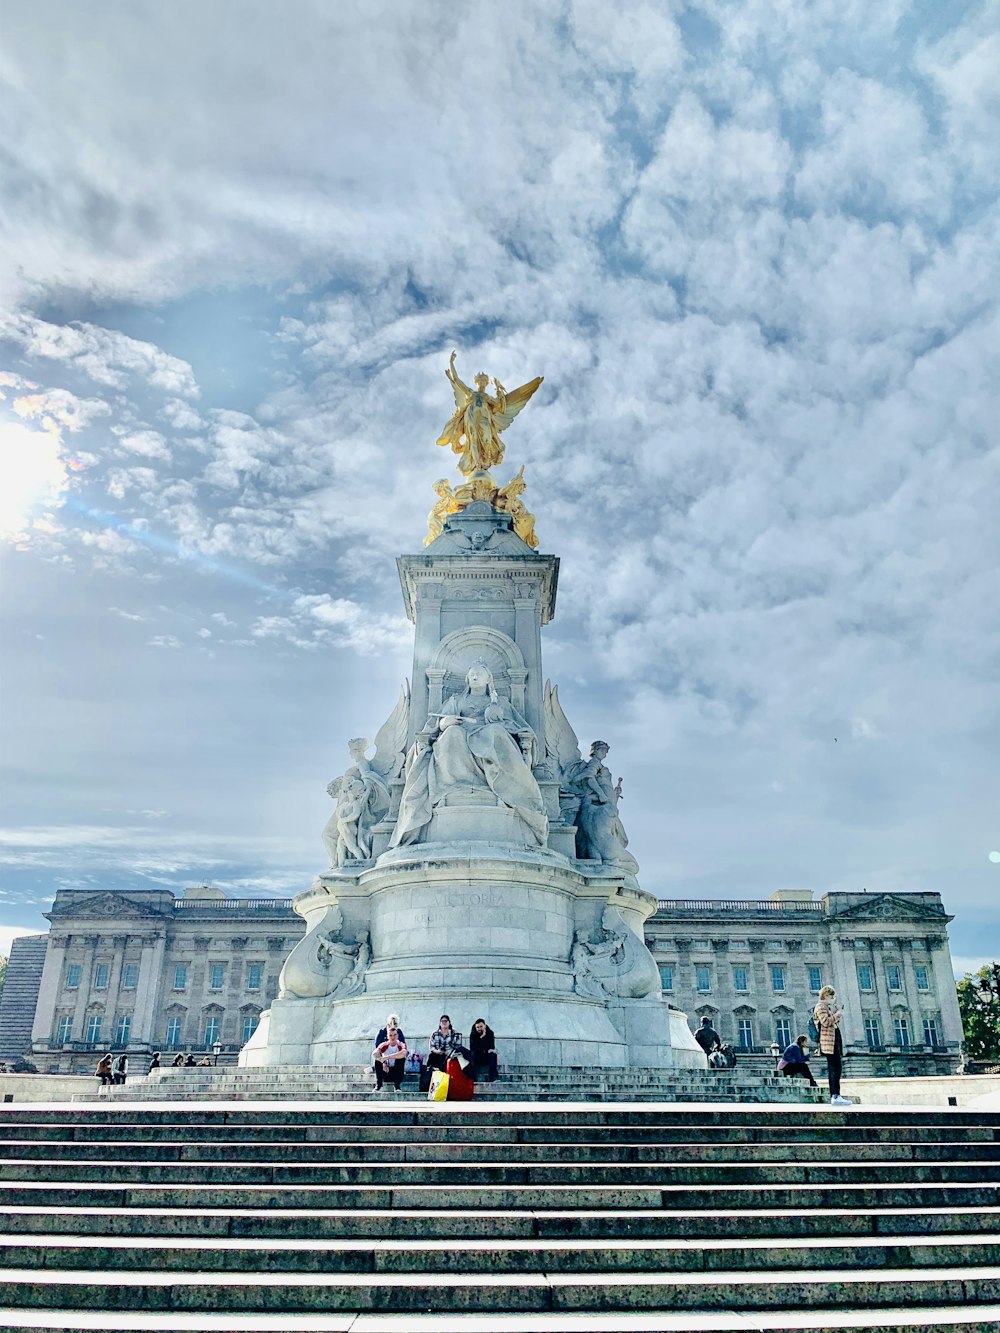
column 145, row 970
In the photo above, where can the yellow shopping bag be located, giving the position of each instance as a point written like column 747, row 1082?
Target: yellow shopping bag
column 439, row 1087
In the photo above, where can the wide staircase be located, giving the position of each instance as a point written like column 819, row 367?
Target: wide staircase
column 494, row 1218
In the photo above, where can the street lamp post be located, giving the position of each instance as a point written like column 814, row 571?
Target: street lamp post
column 775, row 1053
column 216, row 1050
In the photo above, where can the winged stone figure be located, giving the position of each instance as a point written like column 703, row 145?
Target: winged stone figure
column 474, row 430
column 362, row 793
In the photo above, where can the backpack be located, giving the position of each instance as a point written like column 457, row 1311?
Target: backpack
column 813, row 1030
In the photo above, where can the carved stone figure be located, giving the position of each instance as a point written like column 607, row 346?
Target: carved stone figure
column 617, row 964
column 474, row 430
column 354, row 982
column 508, row 501
column 600, row 835
column 319, row 962
column 477, row 741
column 588, row 795
column 362, row 793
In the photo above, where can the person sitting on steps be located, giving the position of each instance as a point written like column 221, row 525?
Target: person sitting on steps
column 707, row 1037
column 483, row 1045
column 389, row 1060
column 794, row 1063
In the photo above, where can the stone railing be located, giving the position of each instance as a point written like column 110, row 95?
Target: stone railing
column 701, row 905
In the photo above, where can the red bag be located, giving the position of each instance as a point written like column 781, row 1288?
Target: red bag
column 460, row 1086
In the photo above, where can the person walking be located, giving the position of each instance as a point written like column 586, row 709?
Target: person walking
column 794, row 1063
column 827, row 1016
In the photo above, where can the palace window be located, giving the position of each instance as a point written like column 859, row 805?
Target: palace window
column 101, row 973
column 255, row 975
column 250, row 1022
column 211, row 1030
column 783, row 1032
column 815, row 978
column 931, row 1037
column 902, row 1028
column 873, row 1034
column 741, row 978
column 122, row 1028
column 922, row 978
column 866, row 977
column 216, row 976
column 130, row 976
column 73, row 974
column 94, row 1022
column 777, row 977
column 64, row 1029
column 744, row 1033
column 703, row 977
column 666, row 977
column 893, row 978
column 173, row 1039
column 739, row 944
column 180, row 976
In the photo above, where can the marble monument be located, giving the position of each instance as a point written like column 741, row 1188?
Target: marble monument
column 478, row 865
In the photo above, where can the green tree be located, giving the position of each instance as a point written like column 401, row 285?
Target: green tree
column 979, row 1005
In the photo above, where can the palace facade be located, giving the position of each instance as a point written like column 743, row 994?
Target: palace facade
column 146, row 970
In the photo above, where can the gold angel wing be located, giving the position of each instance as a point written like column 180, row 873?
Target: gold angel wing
column 513, row 402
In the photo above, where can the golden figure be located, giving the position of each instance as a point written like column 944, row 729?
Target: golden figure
column 474, row 430
column 447, row 503
column 508, row 501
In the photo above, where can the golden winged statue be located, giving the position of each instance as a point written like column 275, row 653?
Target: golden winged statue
column 474, row 430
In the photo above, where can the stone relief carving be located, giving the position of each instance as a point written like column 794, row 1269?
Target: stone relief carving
column 588, row 795
column 618, row 964
column 477, row 740
column 322, row 964
column 362, row 792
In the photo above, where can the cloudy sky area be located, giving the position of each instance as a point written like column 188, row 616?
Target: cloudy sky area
column 753, row 250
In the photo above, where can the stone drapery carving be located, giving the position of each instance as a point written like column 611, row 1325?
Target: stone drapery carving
column 362, row 793
column 618, row 964
column 477, row 741
column 473, row 432
column 588, row 795
column 354, row 982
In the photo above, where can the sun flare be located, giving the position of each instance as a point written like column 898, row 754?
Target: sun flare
column 34, row 475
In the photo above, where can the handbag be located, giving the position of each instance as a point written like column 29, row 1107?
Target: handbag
column 438, row 1091
column 813, row 1030
column 424, row 1083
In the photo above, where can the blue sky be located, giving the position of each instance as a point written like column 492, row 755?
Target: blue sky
column 753, row 250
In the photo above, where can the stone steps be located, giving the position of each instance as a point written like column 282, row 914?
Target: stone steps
column 369, row 1217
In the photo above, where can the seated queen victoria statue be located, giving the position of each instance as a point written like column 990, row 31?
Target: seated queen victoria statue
column 478, row 742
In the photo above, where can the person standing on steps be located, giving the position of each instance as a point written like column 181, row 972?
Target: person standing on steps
column 827, row 1016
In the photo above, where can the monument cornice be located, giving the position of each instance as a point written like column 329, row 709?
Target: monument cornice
column 417, row 571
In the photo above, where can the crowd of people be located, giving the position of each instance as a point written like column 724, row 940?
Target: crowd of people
column 476, row 1061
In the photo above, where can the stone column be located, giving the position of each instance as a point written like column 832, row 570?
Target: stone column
column 845, row 982
column 943, row 977
column 83, row 993
column 43, row 1027
column 147, row 989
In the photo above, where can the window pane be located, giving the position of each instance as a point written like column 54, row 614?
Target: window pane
column 923, row 980
column 865, row 977
column 254, row 975
column 931, row 1032
column 250, row 1022
column 94, row 1022
column 893, row 977
column 211, row 1030
column 216, row 976
column 130, row 976
column 902, row 1031
column 703, row 977
column 741, row 978
column 783, row 1032
column 872, row 1034
column 180, row 977
column 173, row 1033
column 815, row 978
column 122, row 1029
column 777, row 977
column 744, row 1030
column 666, row 978
column 64, row 1028
column 73, row 974
column 101, row 976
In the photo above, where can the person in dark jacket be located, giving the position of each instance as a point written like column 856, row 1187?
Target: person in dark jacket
column 154, row 1062
column 383, row 1033
column 483, row 1045
column 794, row 1063
column 707, row 1037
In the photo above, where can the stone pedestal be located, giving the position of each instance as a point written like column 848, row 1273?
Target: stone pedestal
column 469, row 915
